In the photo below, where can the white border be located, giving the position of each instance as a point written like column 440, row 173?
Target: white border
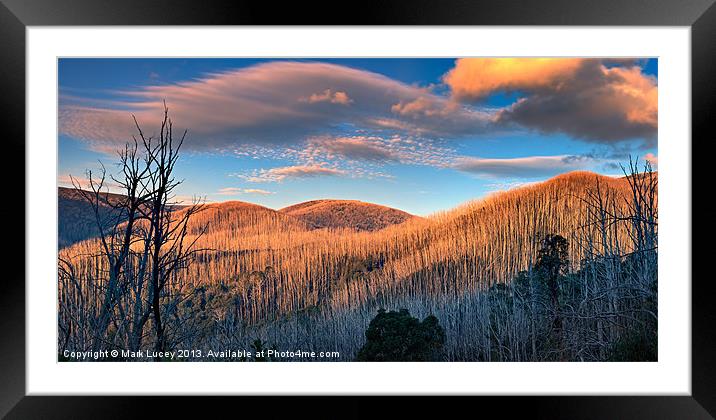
column 670, row 375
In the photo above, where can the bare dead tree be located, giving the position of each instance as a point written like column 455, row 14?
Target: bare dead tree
column 116, row 227
column 164, row 242
column 142, row 243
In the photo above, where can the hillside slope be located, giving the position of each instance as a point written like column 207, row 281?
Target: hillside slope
column 76, row 219
column 473, row 245
column 350, row 214
column 260, row 272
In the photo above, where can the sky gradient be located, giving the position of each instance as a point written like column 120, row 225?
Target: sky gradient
column 421, row 135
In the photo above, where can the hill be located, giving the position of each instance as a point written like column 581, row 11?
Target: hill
column 76, row 219
column 275, row 274
column 350, row 214
column 479, row 243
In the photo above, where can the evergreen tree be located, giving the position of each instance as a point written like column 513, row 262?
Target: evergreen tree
column 396, row 336
column 551, row 266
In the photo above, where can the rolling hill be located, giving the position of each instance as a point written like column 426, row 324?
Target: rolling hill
column 475, row 244
column 76, row 220
column 282, row 274
column 350, row 214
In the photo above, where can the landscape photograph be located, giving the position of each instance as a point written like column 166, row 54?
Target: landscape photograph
column 461, row 209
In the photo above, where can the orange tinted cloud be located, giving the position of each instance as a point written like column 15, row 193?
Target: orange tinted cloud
column 583, row 97
column 70, row 181
column 425, row 106
column 329, row 96
column 638, row 94
column 479, row 77
column 652, row 159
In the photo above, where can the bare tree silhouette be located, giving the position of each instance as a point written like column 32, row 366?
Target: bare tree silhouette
column 143, row 245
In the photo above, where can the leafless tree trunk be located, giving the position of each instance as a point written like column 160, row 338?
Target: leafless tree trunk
column 166, row 241
column 143, row 246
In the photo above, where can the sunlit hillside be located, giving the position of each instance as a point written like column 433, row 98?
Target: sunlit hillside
column 475, row 245
column 262, row 266
column 346, row 213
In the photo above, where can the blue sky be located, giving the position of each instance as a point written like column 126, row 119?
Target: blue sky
column 421, row 135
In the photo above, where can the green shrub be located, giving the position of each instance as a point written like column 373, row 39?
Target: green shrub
column 396, row 336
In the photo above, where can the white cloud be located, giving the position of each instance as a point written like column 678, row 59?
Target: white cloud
column 287, row 172
column 239, row 191
column 525, row 167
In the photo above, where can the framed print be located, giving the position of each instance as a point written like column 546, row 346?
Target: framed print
column 408, row 209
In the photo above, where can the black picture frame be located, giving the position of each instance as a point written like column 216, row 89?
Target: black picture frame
column 16, row 15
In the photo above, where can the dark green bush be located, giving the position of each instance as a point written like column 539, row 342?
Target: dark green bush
column 396, row 336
